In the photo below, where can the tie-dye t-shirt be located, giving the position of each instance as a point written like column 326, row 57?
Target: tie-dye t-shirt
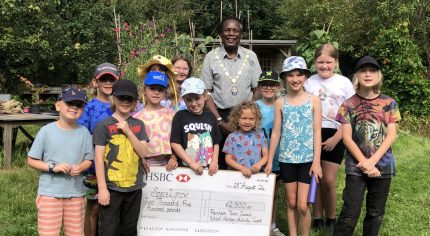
column 158, row 125
column 369, row 119
column 123, row 167
column 245, row 148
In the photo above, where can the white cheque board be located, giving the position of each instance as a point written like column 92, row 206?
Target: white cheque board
column 182, row 203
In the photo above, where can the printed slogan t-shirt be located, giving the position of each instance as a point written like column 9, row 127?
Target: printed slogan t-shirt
column 123, row 167
column 197, row 134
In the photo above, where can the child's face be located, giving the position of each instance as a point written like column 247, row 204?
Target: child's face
column 247, row 120
column 368, row 77
column 154, row 94
column 269, row 89
column 195, row 103
column 104, row 84
column 69, row 111
column 124, row 104
column 295, row 80
column 158, row 67
column 325, row 66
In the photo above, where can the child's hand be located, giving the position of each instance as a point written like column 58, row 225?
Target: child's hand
column 145, row 166
column 63, row 167
column 75, row 170
column 256, row 168
column 198, row 169
column 374, row 173
column 268, row 169
column 329, row 144
column 213, row 168
column 104, row 197
column 123, row 125
column 172, row 164
column 246, row 172
column 366, row 165
column 316, row 170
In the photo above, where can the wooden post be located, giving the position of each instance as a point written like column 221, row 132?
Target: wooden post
column 220, row 13
column 7, row 145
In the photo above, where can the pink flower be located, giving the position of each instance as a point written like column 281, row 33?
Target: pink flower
column 162, row 35
column 126, row 26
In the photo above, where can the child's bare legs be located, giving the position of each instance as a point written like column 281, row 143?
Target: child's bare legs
column 291, row 189
column 303, row 209
column 298, row 209
column 91, row 217
column 328, row 188
column 275, row 202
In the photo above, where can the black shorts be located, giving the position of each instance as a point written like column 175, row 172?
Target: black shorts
column 299, row 172
column 335, row 155
column 277, row 174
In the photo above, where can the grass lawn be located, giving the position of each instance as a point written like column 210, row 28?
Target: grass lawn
column 407, row 212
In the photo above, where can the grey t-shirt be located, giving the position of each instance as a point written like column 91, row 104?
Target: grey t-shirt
column 219, row 72
column 55, row 145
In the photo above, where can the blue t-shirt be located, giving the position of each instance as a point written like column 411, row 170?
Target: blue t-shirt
column 94, row 112
column 246, row 148
column 267, row 122
column 55, row 145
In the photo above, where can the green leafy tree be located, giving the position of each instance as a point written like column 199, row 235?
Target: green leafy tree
column 54, row 42
column 404, row 74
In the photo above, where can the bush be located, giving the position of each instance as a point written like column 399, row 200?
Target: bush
column 404, row 74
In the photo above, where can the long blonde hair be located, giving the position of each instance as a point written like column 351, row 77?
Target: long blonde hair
column 376, row 88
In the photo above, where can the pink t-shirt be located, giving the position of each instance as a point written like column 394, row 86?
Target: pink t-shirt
column 158, row 126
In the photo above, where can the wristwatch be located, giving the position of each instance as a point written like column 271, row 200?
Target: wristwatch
column 51, row 167
column 219, row 119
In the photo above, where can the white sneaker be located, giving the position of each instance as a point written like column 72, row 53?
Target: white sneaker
column 276, row 232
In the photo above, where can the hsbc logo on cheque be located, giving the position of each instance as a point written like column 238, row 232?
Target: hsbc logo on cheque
column 169, row 177
column 183, row 178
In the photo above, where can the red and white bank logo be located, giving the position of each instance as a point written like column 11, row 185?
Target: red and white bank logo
column 183, row 178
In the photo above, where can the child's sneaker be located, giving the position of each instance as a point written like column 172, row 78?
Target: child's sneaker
column 330, row 224
column 276, row 232
column 318, row 224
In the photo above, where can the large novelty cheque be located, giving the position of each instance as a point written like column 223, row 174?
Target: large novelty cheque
column 182, row 203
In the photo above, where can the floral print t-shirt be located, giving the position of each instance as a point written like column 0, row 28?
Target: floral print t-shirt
column 245, row 147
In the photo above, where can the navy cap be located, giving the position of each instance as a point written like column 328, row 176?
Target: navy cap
column 367, row 60
column 125, row 87
column 156, row 78
column 106, row 68
column 72, row 94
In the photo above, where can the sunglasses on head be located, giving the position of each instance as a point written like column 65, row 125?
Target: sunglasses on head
column 125, row 98
column 77, row 104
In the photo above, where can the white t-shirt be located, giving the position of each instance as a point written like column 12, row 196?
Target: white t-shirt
column 332, row 92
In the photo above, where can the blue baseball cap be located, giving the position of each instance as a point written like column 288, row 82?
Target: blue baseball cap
column 72, row 94
column 156, row 78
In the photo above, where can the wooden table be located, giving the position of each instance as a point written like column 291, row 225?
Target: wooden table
column 8, row 122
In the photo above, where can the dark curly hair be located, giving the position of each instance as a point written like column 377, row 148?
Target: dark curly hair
column 237, row 112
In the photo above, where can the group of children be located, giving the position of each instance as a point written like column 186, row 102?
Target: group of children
column 293, row 136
